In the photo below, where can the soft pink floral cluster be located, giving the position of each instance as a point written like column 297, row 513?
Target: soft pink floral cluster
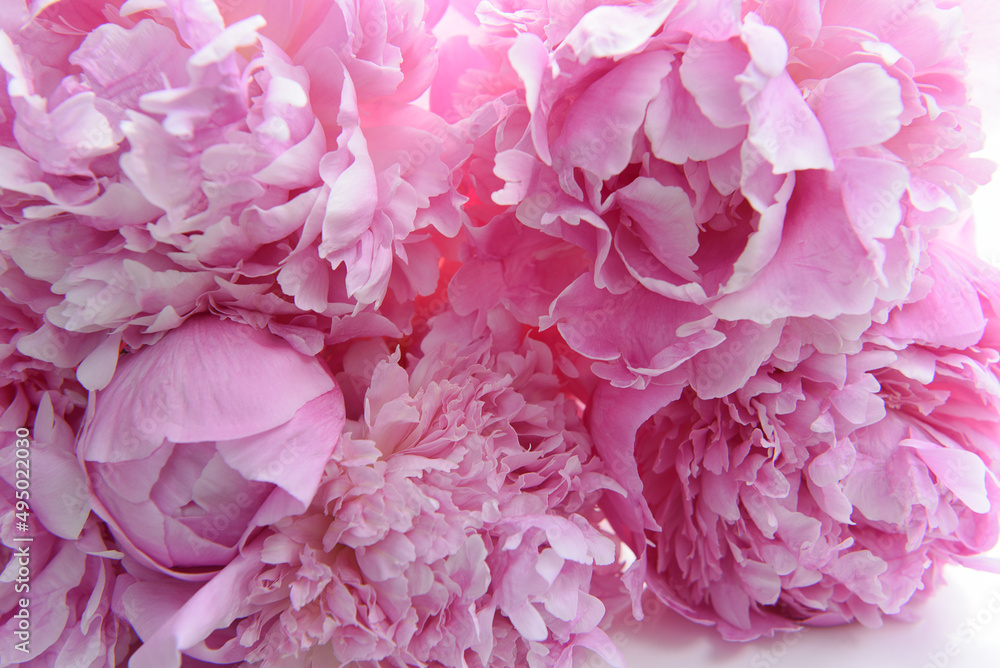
column 763, row 211
column 328, row 339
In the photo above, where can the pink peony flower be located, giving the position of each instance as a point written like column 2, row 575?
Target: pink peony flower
column 510, row 270
column 754, row 190
column 366, row 379
column 260, row 160
column 835, row 483
column 197, row 442
column 66, row 568
column 724, row 167
column 453, row 527
column 21, row 369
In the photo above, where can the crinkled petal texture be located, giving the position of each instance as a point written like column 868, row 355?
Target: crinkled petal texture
column 454, row 526
column 65, row 569
column 720, row 231
column 834, row 484
column 216, row 430
column 261, row 160
column 723, row 169
column 71, row 587
column 748, row 211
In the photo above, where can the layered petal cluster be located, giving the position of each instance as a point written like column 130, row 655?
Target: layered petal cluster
column 23, row 376
column 724, row 166
column 58, row 568
column 835, row 483
column 217, row 430
column 741, row 215
column 453, row 526
column 329, row 344
column 258, row 160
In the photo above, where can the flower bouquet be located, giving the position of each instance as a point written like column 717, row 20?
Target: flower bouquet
column 410, row 333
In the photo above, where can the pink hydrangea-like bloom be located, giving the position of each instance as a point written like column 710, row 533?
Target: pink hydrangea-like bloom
column 260, row 160
column 453, row 526
column 835, row 483
column 725, row 166
column 201, row 439
column 66, row 569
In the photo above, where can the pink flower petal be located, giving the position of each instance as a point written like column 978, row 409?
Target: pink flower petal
column 858, row 106
column 600, row 127
column 785, row 130
column 182, row 407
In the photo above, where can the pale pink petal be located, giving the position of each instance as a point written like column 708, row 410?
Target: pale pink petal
column 677, row 129
column 708, row 71
column 599, row 129
column 785, row 130
column 181, row 407
column 858, row 106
